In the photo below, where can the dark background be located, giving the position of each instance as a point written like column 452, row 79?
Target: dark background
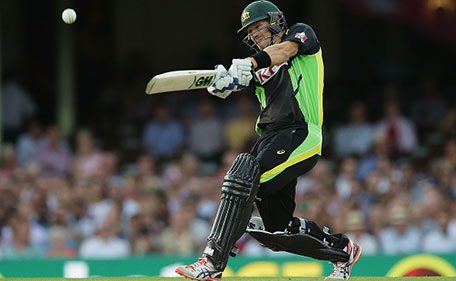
column 120, row 45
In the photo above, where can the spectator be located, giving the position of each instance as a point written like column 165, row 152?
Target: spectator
column 346, row 178
column 190, row 167
column 17, row 107
column 81, row 224
column 238, row 132
column 37, row 211
column 131, row 202
column 87, row 160
column 109, row 167
column 199, row 227
column 429, row 108
column 173, row 181
column 21, row 246
column 99, row 202
column 54, row 157
column 139, row 234
column 355, row 228
column 439, row 239
column 106, row 243
column 433, row 202
column 8, row 205
column 378, row 219
column 29, row 144
column 156, row 225
column 157, row 211
column 8, row 165
column 59, row 248
column 400, row 237
column 206, row 133
column 147, row 177
column 449, row 122
column 354, row 137
column 178, row 239
column 38, row 235
column 398, row 130
column 209, row 194
column 385, row 180
column 163, row 137
column 449, row 157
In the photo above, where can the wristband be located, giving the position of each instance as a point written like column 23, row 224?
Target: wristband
column 263, row 59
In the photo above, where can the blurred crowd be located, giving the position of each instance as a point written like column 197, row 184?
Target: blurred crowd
column 388, row 181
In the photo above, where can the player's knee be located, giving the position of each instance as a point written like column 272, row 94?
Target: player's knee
column 256, row 223
column 242, row 179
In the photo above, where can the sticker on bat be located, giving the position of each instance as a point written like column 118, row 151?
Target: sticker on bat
column 202, row 81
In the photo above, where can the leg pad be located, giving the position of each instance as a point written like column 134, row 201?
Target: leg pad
column 239, row 189
column 299, row 243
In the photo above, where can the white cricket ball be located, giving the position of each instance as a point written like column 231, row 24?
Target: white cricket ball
column 69, row 16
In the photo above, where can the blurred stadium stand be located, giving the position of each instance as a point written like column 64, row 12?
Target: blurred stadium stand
column 108, row 189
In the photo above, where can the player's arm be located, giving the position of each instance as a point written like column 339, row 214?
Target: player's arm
column 241, row 69
column 278, row 53
column 300, row 39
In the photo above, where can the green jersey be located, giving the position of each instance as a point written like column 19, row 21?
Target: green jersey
column 292, row 92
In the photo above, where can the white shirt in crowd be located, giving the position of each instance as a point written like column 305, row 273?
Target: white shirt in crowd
column 439, row 242
column 353, row 139
column 96, row 247
column 393, row 242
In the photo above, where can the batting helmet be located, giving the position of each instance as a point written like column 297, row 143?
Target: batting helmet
column 261, row 10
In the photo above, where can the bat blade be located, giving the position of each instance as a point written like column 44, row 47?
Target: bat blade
column 180, row 80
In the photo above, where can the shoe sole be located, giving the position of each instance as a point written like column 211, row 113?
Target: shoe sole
column 180, row 272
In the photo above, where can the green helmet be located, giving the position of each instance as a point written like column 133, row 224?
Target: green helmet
column 261, row 10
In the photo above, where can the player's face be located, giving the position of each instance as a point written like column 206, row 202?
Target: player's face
column 260, row 34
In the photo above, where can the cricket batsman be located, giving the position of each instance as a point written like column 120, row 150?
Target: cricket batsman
column 286, row 72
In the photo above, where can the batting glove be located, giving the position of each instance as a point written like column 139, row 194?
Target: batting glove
column 224, row 83
column 241, row 71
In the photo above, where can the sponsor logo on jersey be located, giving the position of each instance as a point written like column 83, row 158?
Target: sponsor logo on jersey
column 267, row 73
column 245, row 16
column 301, row 36
column 280, row 152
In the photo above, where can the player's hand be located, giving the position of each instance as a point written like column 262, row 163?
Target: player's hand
column 241, row 71
column 223, row 84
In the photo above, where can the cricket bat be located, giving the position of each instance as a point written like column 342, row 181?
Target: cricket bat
column 180, row 80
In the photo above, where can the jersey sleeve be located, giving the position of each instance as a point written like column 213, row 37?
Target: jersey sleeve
column 305, row 36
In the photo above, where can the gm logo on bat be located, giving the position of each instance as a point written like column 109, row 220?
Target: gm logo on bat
column 202, row 81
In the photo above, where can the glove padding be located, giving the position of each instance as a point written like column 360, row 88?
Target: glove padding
column 241, row 71
column 225, row 83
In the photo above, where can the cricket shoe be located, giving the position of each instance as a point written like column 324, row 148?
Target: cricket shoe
column 342, row 269
column 202, row 270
